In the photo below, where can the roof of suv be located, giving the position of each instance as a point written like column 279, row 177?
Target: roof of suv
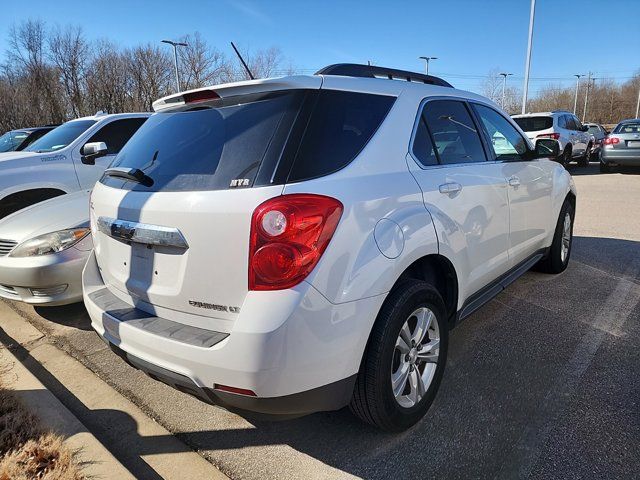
column 379, row 80
column 102, row 116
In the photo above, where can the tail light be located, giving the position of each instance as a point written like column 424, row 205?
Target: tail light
column 555, row 136
column 289, row 234
column 611, row 140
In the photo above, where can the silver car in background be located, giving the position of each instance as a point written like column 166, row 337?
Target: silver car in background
column 43, row 249
column 621, row 146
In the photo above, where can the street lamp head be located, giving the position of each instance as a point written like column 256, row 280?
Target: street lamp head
column 175, row 44
column 506, row 74
column 428, row 58
column 578, row 75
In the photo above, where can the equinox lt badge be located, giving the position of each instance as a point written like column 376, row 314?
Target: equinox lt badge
column 213, row 306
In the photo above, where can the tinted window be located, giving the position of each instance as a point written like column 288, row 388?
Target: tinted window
column 577, row 123
column 340, row 126
column 506, row 142
column 454, row 133
column 571, row 124
column 115, row 134
column 533, row 124
column 423, row 146
column 61, row 136
column 562, row 121
column 208, row 146
column 594, row 129
column 10, row 140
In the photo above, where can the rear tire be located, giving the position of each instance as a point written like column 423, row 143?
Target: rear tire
column 604, row 168
column 557, row 259
column 565, row 158
column 584, row 160
column 407, row 348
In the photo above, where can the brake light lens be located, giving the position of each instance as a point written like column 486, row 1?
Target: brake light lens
column 611, row 140
column 555, row 136
column 200, row 96
column 289, row 234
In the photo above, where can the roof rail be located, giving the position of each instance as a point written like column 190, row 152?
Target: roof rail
column 371, row 71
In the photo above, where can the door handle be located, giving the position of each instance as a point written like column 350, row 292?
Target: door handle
column 452, row 187
column 514, row 181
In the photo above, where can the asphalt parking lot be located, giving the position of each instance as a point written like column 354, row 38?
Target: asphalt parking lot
column 540, row 383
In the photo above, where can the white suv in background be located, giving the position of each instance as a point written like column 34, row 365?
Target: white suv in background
column 293, row 245
column 63, row 160
column 575, row 143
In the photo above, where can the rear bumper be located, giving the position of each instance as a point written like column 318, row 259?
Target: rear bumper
column 624, row 157
column 53, row 279
column 295, row 350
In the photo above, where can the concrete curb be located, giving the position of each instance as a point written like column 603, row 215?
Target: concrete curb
column 95, row 459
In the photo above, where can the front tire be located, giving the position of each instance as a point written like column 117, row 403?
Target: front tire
column 565, row 158
column 557, row 259
column 405, row 358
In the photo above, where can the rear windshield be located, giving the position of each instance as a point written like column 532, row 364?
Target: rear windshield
column 60, row 136
column 533, row 124
column 627, row 128
column 594, row 129
column 251, row 140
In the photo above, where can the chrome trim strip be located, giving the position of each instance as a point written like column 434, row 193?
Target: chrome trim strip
column 134, row 232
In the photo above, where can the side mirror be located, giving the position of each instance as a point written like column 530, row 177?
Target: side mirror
column 547, row 148
column 584, row 128
column 93, row 150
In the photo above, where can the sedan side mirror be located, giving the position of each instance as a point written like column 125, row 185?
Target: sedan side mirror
column 585, row 128
column 547, row 148
column 93, row 150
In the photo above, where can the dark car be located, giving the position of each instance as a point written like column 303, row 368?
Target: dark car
column 17, row 140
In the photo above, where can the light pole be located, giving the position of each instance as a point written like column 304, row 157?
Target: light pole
column 586, row 98
column 638, row 103
column 175, row 57
column 426, row 59
column 504, row 86
column 575, row 100
column 528, row 64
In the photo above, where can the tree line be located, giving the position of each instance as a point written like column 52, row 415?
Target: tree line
column 51, row 75
column 608, row 102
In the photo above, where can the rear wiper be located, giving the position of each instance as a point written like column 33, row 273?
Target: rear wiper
column 134, row 174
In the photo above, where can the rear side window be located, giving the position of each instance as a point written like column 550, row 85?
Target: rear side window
column 115, row 134
column 453, row 131
column 534, row 124
column 423, row 146
column 340, row 126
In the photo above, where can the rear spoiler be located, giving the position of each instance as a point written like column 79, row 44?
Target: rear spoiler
column 237, row 88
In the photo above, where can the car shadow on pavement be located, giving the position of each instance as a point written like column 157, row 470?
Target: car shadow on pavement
column 74, row 315
column 594, row 169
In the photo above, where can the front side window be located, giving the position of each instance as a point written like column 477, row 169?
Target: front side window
column 115, row 134
column 576, row 122
column 570, row 123
column 60, row 136
column 454, row 134
column 506, row 142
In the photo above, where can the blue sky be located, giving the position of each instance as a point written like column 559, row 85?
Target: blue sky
column 469, row 37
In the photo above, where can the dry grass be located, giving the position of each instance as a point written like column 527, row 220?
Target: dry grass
column 26, row 451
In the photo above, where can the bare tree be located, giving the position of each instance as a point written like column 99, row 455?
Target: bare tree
column 70, row 53
column 200, row 64
column 108, row 82
column 151, row 73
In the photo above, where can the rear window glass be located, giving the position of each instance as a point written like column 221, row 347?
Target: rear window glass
column 60, row 137
column 627, row 128
column 594, row 129
column 533, row 124
column 236, row 142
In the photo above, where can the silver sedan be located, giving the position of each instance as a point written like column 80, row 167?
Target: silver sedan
column 43, row 249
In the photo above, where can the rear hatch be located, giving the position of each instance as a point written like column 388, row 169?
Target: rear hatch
column 175, row 234
column 535, row 126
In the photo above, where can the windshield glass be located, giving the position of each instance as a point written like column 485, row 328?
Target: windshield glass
column 10, row 141
column 627, row 128
column 593, row 129
column 60, row 137
column 533, row 124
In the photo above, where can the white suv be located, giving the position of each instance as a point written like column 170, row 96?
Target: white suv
column 292, row 245
column 574, row 140
column 60, row 161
